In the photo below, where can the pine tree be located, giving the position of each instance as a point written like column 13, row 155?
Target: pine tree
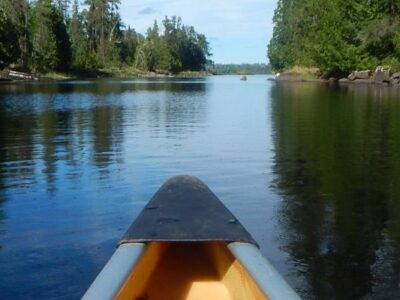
column 50, row 41
column 129, row 44
column 179, row 48
column 78, row 38
column 16, row 33
column 63, row 8
column 104, row 29
column 9, row 51
column 43, row 38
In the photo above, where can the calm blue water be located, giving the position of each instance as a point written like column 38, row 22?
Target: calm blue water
column 80, row 159
column 312, row 171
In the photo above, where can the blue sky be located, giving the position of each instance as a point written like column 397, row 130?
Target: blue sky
column 238, row 30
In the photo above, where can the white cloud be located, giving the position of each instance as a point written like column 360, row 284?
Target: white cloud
column 147, row 11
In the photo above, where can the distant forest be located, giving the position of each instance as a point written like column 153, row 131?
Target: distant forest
column 224, row 69
column 336, row 36
column 57, row 35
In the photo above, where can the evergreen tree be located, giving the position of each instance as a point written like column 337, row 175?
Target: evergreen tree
column 63, row 8
column 50, row 41
column 44, row 41
column 279, row 52
column 64, row 51
column 195, row 50
column 104, row 29
column 9, row 51
column 153, row 55
column 336, row 36
column 129, row 44
column 15, row 33
column 174, row 39
column 178, row 48
column 78, row 38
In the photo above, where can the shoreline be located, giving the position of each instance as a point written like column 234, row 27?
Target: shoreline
column 12, row 76
column 336, row 81
column 379, row 77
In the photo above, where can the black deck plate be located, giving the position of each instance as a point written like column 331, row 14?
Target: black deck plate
column 184, row 209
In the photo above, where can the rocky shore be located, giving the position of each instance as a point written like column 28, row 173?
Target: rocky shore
column 381, row 76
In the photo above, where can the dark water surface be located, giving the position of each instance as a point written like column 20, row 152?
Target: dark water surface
column 312, row 171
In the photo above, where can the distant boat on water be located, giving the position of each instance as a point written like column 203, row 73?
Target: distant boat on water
column 243, row 78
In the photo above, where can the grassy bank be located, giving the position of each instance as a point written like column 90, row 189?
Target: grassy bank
column 92, row 74
column 303, row 73
column 135, row 73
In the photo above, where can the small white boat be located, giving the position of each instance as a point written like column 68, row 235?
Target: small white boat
column 186, row 244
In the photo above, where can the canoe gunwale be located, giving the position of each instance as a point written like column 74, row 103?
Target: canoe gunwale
column 267, row 278
column 117, row 270
column 146, row 241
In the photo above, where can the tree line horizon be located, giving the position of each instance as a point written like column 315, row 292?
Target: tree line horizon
column 57, row 35
column 45, row 36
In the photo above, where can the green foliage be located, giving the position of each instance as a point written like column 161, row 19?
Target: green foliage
column 179, row 48
column 14, row 32
column 129, row 44
column 336, row 36
column 44, row 40
column 103, row 26
column 64, row 51
column 9, row 51
column 50, row 41
column 377, row 38
column 393, row 62
column 79, row 42
column 239, row 69
column 50, row 35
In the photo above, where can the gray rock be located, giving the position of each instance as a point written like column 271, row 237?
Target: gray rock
column 395, row 81
column 362, row 74
column 359, row 75
column 381, row 75
column 396, row 75
column 344, row 80
column 352, row 76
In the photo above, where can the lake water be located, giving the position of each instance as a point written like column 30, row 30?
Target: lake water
column 312, row 171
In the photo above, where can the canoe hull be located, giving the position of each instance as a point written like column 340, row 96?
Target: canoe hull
column 186, row 245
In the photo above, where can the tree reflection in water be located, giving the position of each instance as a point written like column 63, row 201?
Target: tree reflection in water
column 64, row 185
column 337, row 165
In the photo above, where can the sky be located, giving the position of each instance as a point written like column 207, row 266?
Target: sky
column 238, row 30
